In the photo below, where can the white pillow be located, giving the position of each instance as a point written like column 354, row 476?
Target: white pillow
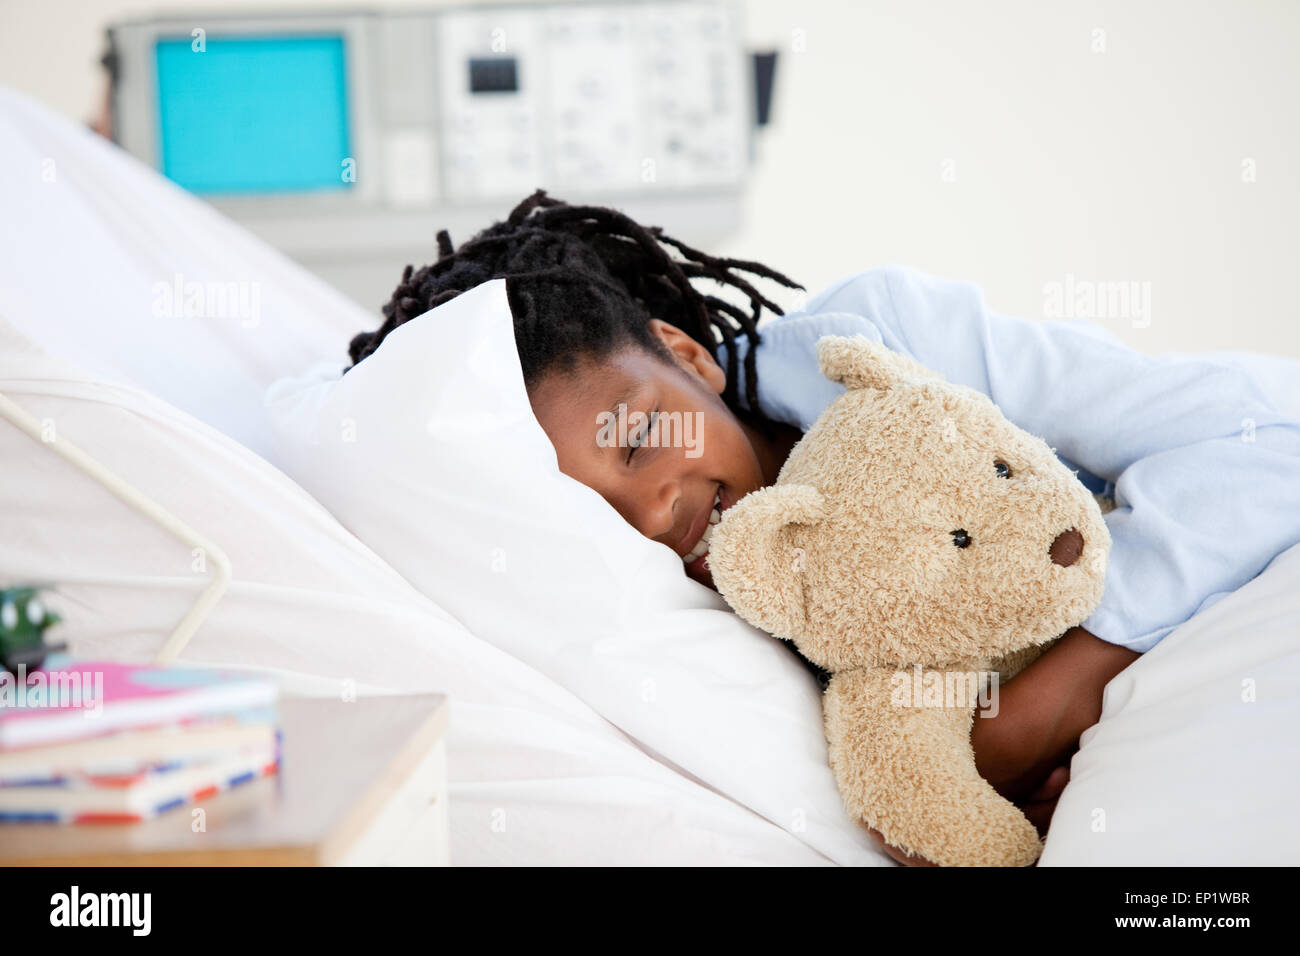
column 536, row 777
column 429, row 452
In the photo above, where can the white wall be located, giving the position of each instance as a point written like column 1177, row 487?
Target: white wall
column 988, row 141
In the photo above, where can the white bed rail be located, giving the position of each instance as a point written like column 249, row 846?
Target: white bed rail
column 132, row 496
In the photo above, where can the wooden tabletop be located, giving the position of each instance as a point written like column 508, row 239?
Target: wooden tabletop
column 341, row 761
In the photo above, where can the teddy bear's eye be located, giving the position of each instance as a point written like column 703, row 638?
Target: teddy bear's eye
column 1002, row 468
column 960, row 538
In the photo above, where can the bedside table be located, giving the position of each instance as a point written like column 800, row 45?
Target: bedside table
column 360, row 784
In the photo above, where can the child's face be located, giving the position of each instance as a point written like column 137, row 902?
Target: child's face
column 665, row 478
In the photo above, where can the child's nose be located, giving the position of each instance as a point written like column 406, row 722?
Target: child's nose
column 656, row 509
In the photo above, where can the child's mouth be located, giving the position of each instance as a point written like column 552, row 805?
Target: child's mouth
column 695, row 558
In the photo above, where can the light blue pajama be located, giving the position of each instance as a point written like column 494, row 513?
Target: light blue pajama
column 1203, row 467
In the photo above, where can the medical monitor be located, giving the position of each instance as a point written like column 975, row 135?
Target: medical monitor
column 261, row 114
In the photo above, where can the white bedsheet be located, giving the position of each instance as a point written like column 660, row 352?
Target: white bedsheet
column 1183, row 769
column 1196, row 759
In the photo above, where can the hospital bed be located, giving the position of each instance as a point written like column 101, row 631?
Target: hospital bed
column 714, row 755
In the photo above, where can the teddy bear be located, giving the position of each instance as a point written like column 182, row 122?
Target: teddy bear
column 922, row 549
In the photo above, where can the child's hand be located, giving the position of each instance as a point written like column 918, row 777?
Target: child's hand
column 1041, row 804
column 1042, row 712
column 893, row 852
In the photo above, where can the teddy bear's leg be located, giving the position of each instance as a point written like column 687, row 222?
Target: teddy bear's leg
column 905, row 767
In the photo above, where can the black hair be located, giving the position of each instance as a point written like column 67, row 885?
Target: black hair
column 585, row 281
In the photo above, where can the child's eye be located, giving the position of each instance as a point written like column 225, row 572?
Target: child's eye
column 1002, row 468
column 634, row 444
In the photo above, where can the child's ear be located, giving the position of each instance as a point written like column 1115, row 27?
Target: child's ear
column 690, row 354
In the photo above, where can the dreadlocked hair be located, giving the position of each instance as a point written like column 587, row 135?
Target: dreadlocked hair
column 586, row 280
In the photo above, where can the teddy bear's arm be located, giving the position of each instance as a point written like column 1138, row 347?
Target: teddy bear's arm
column 909, row 772
column 1014, row 662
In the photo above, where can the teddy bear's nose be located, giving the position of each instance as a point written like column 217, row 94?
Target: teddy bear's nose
column 1067, row 547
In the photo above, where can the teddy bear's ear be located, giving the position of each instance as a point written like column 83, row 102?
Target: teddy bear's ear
column 755, row 559
column 858, row 362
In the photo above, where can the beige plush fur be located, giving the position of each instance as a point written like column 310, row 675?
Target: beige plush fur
column 852, row 556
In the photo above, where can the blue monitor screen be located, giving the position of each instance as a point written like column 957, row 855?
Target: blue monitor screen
column 254, row 115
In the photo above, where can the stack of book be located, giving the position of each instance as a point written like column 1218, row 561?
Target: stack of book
column 93, row 741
